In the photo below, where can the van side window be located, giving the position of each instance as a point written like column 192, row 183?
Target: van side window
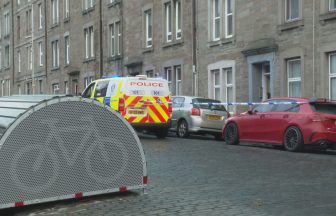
column 101, row 89
column 88, row 91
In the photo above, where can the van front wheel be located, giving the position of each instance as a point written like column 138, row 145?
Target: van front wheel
column 162, row 133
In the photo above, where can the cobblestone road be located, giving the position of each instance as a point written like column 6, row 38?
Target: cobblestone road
column 207, row 177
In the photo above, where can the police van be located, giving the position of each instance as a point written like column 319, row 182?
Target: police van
column 144, row 102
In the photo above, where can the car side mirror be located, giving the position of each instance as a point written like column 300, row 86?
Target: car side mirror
column 251, row 112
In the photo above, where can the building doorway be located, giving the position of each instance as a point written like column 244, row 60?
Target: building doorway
column 261, row 81
column 74, row 84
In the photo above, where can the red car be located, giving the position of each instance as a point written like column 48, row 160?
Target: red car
column 292, row 122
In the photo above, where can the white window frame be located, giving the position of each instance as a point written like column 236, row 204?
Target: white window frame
column 295, row 79
column 168, row 21
column 228, row 86
column 55, row 53
column 227, row 15
column 87, row 4
column 66, row 87
column 66, row 9
column 178, row 82
column 0, row 59
column 55, row 88
column 331, row 75
column 119, row 37
column 7, row 23
column 40, row 53
column 40, row 16
column 216, row 86
column 54, row 12
column 149, row 23
column 89, row 42
column 288, row 17
column 19, row 61
column 331, row 2
column 178, row 19
column 67, row 49
column 112, row 39
column 168, row 76
column 214, row 19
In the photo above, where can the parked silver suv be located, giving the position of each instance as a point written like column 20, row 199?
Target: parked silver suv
column 197, row 115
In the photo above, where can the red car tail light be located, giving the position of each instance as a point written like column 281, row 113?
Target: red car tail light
column 195, row 111
column 121, row 105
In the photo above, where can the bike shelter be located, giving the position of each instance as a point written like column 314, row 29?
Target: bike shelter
column 57, row 148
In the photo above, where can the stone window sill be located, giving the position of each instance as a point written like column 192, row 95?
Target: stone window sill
column 88, row 60
column 88, row 10
column 221, row 42
column 147, row 49
column 113, row 4
column 54, row 25
column 291, row 25
column 172, row 43
column 114, row 58
column 55, row 68
column 328, row 16
column 66, row 20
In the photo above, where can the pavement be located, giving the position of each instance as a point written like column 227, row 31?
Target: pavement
column 201, row 176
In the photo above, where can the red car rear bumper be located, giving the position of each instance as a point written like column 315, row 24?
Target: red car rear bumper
column 327, row 136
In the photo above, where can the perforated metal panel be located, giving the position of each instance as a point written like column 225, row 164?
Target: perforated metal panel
column 65, row 146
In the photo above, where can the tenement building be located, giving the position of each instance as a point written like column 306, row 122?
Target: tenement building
column 6, row 48
column 232, row 50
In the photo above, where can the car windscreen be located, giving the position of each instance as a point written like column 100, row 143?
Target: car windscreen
column 328, row 108
column 204, row 103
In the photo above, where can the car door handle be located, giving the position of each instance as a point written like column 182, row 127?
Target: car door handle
column 285, row 116
column 262, row 116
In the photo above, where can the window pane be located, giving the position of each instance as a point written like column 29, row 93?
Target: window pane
column 333, row 88
column 216, row 77
column 294, row 89
column 217, row 28
column 229, row 6
column 217, row 94
column 229, row 25
column 178, row 4
column 216, row 8
column 229, row 92
column 332, row 4
column 292, row 9
column 294, row 68
column 333, row 63
column 229, row 76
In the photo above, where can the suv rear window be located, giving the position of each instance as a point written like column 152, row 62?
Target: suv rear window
column 207, row 104
column 328, row 108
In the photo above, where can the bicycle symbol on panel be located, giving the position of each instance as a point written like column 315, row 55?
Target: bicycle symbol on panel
column 48, row 157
